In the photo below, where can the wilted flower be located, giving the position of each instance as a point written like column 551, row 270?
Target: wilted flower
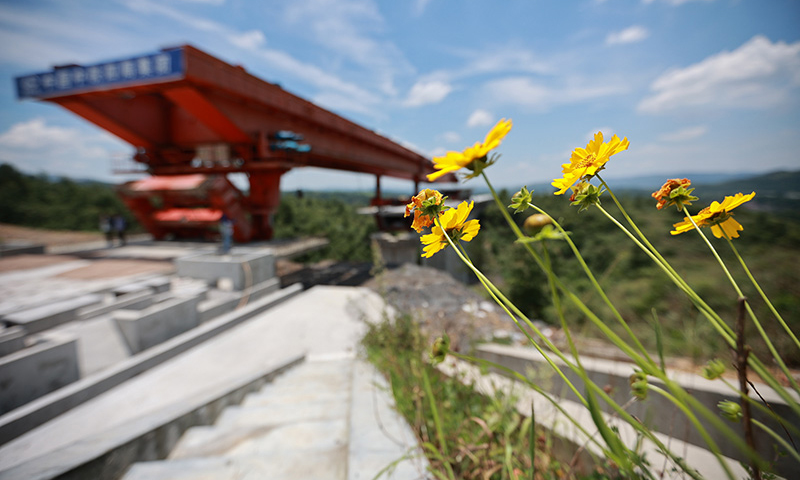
column 586, row 162
column 474, row 157
column 452, row 223
column 675, row 191
column 426, row 206
column 718, row 216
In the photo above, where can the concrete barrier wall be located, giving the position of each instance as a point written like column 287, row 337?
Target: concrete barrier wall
column 38, row 370
column 45, row 317
column 656, row 411
column 48, row 407
column 12, row 339
column 146, row 328
column 130, row 301
column 243, row 269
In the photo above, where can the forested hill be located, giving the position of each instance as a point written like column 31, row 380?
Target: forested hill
column 54, row 203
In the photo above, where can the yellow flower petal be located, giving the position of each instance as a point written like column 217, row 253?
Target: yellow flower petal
column 586, row 162
column 453, row 161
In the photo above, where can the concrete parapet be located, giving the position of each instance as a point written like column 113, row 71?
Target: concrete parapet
column 398, row 249
column 212, row 308
column 11, row 249
column 11, row 340
column 243, row 269
column 146, row 328
column 656, row 412
column 131, row 301
column 153, row 285
column 38, row 370
column 42, row 318
column 44, row 409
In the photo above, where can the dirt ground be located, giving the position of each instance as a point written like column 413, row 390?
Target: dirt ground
column 18, row 234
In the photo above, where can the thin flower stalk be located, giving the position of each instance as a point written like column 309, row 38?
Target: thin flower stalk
column 649, row 368
column 709, row 441
column 763, row 295
column 721, row 327
column 750, row 312
column 573, row 298
column 674, row 275
column 758, row 367
column 763, row 408
column 506, row 305
column 622, row 345
column 789, row 448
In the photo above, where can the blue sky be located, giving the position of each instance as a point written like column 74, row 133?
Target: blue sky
column 695, row 85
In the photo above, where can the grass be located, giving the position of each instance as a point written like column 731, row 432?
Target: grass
column 465, row 435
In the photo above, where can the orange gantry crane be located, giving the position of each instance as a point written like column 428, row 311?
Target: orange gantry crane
column 193, row 118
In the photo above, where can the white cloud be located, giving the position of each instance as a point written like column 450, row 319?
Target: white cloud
column 420, row 6
column 675, row 3
column 351, row 29
column 426, row 92
column 450, row 137
column 685, row 134
column 632, row 34
column 248, row 40
column 34, row 146
column 253, row 40
column 480, row 118
column 758, row 74
column 525, row 91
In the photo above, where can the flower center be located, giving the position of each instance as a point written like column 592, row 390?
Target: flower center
column 586, row 162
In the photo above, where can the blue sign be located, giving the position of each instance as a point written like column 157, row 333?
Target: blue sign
column 74, row 78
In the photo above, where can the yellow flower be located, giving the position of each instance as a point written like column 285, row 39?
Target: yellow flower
column 454, row 161
column 718, row 216
column 426, row 205
column 586, row 162
column 452, row 223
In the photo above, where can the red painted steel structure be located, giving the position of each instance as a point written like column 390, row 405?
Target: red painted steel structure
column 211, row 117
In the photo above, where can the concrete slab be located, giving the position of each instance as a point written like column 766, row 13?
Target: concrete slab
column 12, row 339
column 44, row 317
column 379, row 435
column 33, row 372
column 286, row 466
column 326, row 321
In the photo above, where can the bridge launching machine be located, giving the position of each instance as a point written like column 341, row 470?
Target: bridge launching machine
column 192, row 119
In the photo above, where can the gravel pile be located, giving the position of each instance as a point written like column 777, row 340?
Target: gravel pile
column 442, row 304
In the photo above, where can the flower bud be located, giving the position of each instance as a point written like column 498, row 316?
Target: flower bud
column 714, row 369
column 730, row 410
column 535, row 223
column 638, row 382
column 440, row 349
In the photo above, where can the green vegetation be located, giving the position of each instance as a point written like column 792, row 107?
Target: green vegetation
column 327, row 215
column 464, row 434
column 58, row 204
column 638, row 288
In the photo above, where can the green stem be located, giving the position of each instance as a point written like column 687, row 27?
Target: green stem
column 791, row 451
column 689, row 415
column 594, row 282
column 436, row 421
column 750, row 312
column 761, row 292
column 718, row 324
